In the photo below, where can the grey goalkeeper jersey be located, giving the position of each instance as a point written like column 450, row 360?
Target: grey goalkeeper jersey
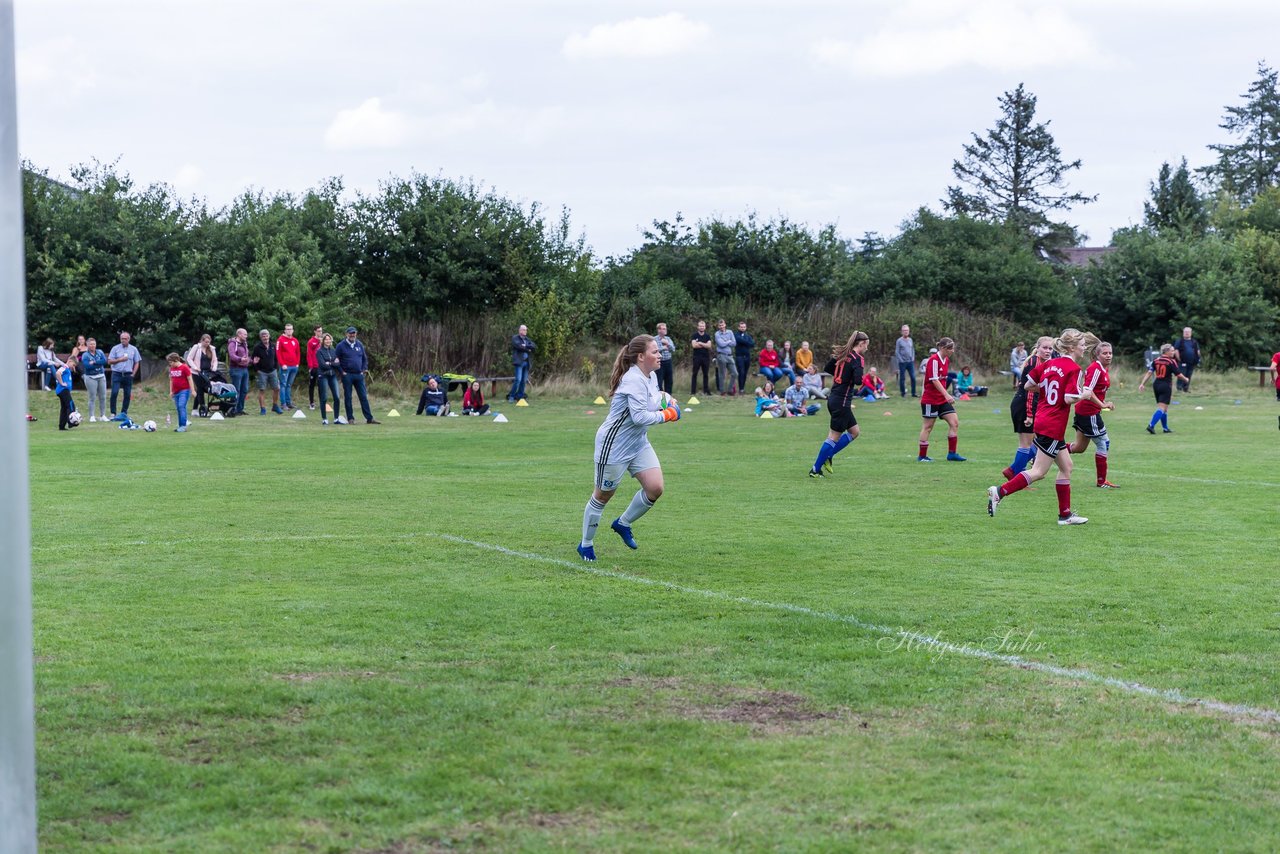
column 634, row 406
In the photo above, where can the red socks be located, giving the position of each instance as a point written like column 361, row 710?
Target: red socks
column 1018, row 482
column 1101, row 462
column 1064, row 497
column 924, row 449
column 951, row 443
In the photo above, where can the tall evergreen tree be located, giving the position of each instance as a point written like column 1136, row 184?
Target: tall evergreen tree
column 1175, row 205
column 1246, row 168
column 1014, row 174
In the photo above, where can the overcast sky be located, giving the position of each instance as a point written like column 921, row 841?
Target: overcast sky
column 625, row 112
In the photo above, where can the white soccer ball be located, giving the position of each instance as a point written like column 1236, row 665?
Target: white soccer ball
column 74, row 419
column 149, row 426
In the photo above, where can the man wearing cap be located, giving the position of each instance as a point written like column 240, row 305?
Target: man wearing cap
column 353, row 362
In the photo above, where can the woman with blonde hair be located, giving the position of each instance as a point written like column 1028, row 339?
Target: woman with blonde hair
column 622, row 442
column 1058, row 381
column 846, row 367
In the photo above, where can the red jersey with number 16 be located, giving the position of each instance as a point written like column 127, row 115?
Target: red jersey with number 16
column 935, row 368
column 1097, row 380
column 1056, row 378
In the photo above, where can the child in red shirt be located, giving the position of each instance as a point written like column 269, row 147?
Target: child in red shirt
column 179, row 388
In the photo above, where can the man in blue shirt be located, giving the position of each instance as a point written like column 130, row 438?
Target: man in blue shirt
column 123, row 360
column 353, row 361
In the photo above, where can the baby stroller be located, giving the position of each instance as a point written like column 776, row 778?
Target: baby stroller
column 221, row 397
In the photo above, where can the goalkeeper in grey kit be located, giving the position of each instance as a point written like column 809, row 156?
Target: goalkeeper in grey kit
column 622, row 442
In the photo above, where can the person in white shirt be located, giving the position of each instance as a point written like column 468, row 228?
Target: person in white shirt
column 622, row 442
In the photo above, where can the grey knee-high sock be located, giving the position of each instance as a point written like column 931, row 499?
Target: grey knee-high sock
column 639, row 506
column 591, row 520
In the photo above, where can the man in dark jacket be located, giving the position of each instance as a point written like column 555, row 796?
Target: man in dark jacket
column 264, row 359
column 522, row 348
column 434, row 400
column 353, row 362
column 743, row 342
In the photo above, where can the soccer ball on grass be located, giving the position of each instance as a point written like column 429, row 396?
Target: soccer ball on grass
column 149, row 426
column 73, row 419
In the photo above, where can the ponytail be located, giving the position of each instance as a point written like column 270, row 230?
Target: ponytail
column 627, row 356
column 855, row 339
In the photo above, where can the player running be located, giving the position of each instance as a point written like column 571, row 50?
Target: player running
column 1088, row 421
column 1164, row 369
column 1059, row 383
column 622, row 442
column 936, row 402
column 1022, row 409
column 846, row 366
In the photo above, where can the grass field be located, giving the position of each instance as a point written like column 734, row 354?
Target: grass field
column 265, row 635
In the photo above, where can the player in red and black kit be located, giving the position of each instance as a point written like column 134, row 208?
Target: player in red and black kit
column 1022, row 409
column 846, row 367
column 1164, row 369
column 936, row 402
column 1088, row 421
column 1059, row 383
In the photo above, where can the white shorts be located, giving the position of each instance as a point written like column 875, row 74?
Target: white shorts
column 609, row 476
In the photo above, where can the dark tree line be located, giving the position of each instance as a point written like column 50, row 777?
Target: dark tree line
column 104, row 255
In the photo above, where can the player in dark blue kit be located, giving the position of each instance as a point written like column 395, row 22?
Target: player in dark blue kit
column 846, row 367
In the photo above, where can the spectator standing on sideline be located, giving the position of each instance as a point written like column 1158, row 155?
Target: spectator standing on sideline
column 904, row 350
column 353, row 362
column 202, row 359
column 93, row 368
column 289, row 355
column 238, row 359
column 265, row 360
column 313, row 365
column 726, row 369
column 327, row 376
column 742, row 346
column 1017, row 356
column 1188, row 357
column 47, row 362
column 701, row 346
column 124, row 360
column 62, row 386
column 522, row 348
column 666, row 349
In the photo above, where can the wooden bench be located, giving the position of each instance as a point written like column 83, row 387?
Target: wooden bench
column 492, row 381
column 34, row 373
column 1264, row 371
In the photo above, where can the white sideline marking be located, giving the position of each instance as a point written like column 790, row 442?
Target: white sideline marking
column 1195, row 479
column 1077, row 674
